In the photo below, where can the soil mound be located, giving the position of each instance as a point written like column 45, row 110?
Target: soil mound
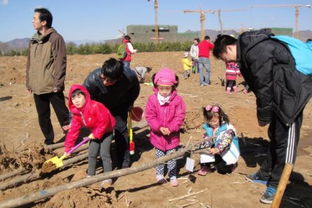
column 30, row 158
column 80, row 197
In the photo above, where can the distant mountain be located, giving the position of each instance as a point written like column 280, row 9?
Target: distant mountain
column 20, row 44
column 16, row 45
column 81, row 42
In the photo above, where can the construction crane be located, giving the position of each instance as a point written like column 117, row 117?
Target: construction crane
column 156, row 36
column 219, row 11
column 202, row 19
column 296, row 6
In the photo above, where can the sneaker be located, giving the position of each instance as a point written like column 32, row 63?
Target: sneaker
column 160, row 179
column 203, row 171
column 174, row 182
column 257, row 178
column 268, row 195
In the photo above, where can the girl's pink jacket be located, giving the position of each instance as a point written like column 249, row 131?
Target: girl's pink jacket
column 93, row 115
column 171, row 115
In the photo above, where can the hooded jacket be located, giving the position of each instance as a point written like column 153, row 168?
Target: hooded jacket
column 93, row 115
column 269, row 69
column 118, row 97
column 46, row 63
column 170, row 115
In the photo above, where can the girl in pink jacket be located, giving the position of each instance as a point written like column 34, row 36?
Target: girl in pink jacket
column 165, row 114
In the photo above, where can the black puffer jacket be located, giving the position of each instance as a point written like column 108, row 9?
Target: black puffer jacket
column 118, row 97
column 269, row 69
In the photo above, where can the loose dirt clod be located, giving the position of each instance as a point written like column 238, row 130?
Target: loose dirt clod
column 48, row 167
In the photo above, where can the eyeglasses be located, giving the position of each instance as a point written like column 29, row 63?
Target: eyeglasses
column 212, row 108
column 107, row 79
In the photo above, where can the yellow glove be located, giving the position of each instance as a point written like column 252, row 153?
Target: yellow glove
column 91, row 136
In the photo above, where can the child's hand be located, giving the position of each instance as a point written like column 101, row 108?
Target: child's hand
column 91, row 136
column 65, row 155
column 213, row 151
column 164, row 131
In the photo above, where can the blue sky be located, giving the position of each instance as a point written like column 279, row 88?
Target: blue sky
column 101, row 19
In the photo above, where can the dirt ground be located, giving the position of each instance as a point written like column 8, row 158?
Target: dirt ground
column 21, row 145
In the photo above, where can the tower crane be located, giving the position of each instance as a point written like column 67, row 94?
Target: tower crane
column 156, row 36
column 218, row 12
column 296, row 6
column 202, row 19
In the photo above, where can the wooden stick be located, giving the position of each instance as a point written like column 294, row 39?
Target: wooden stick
column 54, row 146
column 282, row 185
column 187, row 195
column 19, row 201
column 11, row 174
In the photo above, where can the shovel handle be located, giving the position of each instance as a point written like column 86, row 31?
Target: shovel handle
column 78, row 145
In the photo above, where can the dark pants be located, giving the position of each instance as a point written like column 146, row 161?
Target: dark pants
column 121, row 139
column 126, row 64
column 282, row 148
column 102, row 147
column 230, row 84
column 44, row 113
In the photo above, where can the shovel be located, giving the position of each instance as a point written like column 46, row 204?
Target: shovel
column 130, row 132
column 58, row 162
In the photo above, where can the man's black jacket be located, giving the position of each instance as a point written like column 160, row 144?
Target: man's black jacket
column 269, row 69
column 118, row 97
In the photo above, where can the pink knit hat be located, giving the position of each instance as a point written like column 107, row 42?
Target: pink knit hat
column 165, row 76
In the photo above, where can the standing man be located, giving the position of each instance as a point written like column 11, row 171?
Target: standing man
column 194, row 54
column 117, row 87
column 45, row 73
column 204, row 48
column 281, row 89
column 129, row 51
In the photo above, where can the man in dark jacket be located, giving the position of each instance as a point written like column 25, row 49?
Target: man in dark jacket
column 45, row 73
column 281, row 95
column 117, row 87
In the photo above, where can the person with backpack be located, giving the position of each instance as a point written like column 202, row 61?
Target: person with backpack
column 279, row 72
column 125, row 50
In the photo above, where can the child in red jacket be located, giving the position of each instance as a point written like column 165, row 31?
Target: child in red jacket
column 96, row 117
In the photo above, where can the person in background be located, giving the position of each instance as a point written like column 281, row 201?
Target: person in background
column 117, row 87
column 204, row 48
column 282, row 89
column 231, row 73
column 165, row 114
column 141, row 71
column 194, row 55
column 187, row 65
column 129, row 50
column 45, row 73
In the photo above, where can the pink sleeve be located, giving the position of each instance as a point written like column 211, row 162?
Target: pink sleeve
column 151, row 115
column 179, row 117
column 72, row 134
